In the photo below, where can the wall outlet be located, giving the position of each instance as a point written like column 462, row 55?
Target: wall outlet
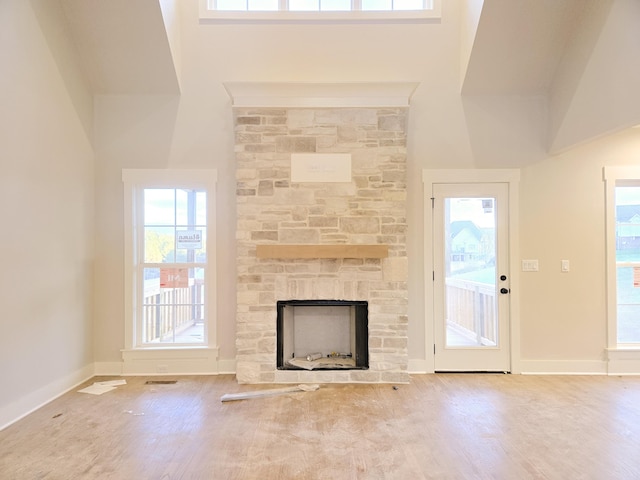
column 162, row 368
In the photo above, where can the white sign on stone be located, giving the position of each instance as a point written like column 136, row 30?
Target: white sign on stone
column 321, row 167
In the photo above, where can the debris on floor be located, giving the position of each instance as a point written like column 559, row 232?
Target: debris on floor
column 268, row 393
column 98, row 388
column 333, row 361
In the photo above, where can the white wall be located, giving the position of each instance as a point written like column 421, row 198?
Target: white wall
column 562, row 217
column 171, row 16
column 559, row 328
column 595, row 91
column 471, row 11
column 47, row 199
column 196, row 130
column 46, row 204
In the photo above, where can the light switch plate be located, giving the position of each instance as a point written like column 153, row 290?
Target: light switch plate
column 529, row 265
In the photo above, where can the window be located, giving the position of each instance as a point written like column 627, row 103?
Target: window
column 627, row 251
column 623, row 268
column 318, row 5
column 319, row 10
column 169, row 265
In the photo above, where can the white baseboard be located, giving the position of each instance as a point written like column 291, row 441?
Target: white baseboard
column 419, row 366
column 115, row 369
column 170, row 361
column 26, row 404
column 227, row 366
column 107, row 369
column 563, row 367
column 198, row 364
column 623, row 361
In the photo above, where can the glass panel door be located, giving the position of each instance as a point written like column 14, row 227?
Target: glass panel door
column 470, row 282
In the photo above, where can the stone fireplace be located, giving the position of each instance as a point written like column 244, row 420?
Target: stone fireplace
column 335, row 232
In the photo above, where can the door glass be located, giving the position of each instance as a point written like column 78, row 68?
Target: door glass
column 470, row 272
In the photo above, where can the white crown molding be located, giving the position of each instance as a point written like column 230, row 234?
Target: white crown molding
column 294, row 94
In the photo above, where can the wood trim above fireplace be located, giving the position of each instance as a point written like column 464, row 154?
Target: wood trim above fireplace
column 322, row 251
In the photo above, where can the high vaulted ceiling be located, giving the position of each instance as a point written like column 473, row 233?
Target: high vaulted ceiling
column 124, row 45
column 556, row 50
column 519, row 44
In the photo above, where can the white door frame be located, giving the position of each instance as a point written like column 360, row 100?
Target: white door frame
column 512, row 178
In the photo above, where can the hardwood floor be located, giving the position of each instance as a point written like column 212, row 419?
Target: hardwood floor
column 444, row 426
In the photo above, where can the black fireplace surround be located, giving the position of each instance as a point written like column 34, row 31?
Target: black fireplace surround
column 360, row 331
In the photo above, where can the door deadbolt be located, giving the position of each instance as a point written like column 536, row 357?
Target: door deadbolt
column 503, row 277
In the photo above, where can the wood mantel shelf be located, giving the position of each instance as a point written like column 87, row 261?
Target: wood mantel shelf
column 322, row 251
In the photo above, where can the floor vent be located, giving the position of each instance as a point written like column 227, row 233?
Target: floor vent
column 160, row 382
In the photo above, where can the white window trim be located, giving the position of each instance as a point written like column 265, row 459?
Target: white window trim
column 620, row 359
column 184, row 359
column 428, row 15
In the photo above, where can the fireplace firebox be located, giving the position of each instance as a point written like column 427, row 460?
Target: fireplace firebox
column 322, row 335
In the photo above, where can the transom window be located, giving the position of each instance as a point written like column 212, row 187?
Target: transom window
column 314, row 11
column 318, row 5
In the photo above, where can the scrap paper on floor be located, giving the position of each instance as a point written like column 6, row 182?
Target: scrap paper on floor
column 98, row 388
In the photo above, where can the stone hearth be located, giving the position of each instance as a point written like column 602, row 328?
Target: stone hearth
column 367, row 209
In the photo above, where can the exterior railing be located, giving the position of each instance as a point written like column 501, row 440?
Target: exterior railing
column 168, row 311
column 471, row 309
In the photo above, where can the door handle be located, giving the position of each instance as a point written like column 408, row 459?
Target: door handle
column 504, row 290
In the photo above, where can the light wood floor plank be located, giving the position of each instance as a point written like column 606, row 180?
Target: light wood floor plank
column 443, row 426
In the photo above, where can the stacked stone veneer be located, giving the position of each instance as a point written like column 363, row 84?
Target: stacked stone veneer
column 371, row 209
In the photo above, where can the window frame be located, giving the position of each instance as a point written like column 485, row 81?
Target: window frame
column 430, row 14
column 622, row 358
column 135, row 182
